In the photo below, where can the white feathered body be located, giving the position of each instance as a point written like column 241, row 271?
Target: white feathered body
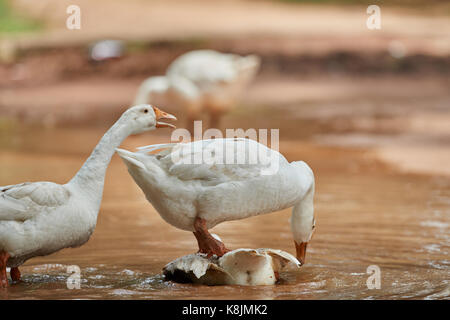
column 217, row 191
column 219, row 77
column 41, row 218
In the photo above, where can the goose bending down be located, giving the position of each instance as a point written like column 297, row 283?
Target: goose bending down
column 201, row 80
column 195, row 186
column 40, row 218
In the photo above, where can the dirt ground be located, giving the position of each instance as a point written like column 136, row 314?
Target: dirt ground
column 310, row 28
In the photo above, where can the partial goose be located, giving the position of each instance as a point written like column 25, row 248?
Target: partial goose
column 195, row 186
column 201, row 80
column 40, row 218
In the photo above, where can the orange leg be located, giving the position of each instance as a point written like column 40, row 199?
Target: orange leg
column 4, row 256
column 15, row 274
column 206, row 242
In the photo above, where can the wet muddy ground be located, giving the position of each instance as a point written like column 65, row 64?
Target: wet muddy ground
column 379, row 150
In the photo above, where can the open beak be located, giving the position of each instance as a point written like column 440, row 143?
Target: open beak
column 163, row 115
column 301, row 251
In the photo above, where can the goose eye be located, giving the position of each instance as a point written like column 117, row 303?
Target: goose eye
column 145, row 110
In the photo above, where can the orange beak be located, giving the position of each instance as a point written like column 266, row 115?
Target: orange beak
column 301, row 251
column 163, row 115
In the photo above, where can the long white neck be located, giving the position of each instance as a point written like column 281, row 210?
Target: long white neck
column 302, row 219
column 142, row 95
column 91, row 177
column 146, row 88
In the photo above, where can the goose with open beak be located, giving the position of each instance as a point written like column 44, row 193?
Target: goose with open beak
column 40, row 218
column 159, row 114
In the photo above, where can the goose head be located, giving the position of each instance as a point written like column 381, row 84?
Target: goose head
column 145, row 117
column 302, row 219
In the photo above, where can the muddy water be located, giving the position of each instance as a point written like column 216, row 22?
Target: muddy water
column 366, row 215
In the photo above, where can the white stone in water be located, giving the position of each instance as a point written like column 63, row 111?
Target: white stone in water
column 238, row 267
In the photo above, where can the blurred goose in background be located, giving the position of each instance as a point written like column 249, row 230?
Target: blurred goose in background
column 202, row 80
column 195, row 195
column 175, row 92
column 40, row 218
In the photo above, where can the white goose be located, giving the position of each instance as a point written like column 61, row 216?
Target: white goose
column 201, row 80
column 195, row 186
column 40, row 218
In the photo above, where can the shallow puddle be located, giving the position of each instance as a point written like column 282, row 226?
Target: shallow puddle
column 366, row 215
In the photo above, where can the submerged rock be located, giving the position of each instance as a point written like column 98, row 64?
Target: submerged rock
column 241, row 267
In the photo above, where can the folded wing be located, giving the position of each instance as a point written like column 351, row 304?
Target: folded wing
column 24, row 201
column 216, row 161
